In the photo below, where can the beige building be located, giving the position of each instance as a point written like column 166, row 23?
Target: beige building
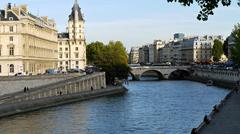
column 134, row 55
column 154, row 51
column 71, row 45
column 28, row 43
column 189, row 50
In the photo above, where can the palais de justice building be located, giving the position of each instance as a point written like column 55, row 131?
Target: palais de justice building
column 28, row 43
column 71, row 45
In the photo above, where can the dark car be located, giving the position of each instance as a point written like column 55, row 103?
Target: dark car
column 91, row 69
column 75, row 70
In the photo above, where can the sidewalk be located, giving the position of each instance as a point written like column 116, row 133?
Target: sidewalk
column 227, row 120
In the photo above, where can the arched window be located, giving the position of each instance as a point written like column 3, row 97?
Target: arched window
column 11, row 67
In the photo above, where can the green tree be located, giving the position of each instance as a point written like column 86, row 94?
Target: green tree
column 207, row 6
column 217, row 50
column 111, row 58
column 235, row 50
column 94, row 52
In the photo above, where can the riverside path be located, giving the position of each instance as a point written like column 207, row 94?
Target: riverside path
column 227, row 120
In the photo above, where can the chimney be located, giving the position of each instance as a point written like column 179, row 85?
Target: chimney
column 9, row 6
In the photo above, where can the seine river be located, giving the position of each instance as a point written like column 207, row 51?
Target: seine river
column 163, row 107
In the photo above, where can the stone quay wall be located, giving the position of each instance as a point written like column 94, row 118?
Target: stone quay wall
column 14, row 84
column 67, row 91
column 221, row 78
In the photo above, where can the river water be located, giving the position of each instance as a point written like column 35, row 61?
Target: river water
column 160, row 107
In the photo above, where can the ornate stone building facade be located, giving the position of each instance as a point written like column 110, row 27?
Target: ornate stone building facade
column 71, row 45
column 28, row 43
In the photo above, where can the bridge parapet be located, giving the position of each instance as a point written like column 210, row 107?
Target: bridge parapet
column 165, row 71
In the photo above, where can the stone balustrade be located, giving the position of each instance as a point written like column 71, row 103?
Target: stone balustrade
column 218, row 74
column 74, row 85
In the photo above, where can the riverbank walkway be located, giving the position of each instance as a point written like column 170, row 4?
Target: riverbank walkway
column 227, row 119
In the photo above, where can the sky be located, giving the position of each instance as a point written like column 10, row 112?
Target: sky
column 135, row 22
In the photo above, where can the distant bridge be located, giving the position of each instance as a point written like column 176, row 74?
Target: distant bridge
column 163, row 72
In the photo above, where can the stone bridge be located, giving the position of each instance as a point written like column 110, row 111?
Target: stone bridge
column 163, row 72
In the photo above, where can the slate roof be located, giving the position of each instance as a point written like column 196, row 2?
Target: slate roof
column 78, row 9
column 9, row 15
column 63, row 35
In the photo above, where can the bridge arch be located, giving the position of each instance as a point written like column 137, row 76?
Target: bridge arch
column 151, row 73
column 178, row 74
column 162, row 72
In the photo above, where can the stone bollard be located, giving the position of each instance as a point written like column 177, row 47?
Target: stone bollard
column 215, row 109
column 194, row 131
column 206, row 120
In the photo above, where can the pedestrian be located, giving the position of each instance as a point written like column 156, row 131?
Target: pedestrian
column 25, row 89
column 206, row 120
column 127, row 82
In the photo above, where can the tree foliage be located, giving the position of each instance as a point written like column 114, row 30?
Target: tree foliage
column 217, row 50
column 225, row 47
column 112, row 58
column 207, row 6
column 236, row 48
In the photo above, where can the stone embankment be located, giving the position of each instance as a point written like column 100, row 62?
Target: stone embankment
column 14, row 84
column 222, row 78
column 61, row 92
column 225, row 117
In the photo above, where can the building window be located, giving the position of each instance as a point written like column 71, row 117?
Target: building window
column 11, row 18
column 66, row 62
column 77, row 62
column 60, row 43
column 76, row 55
column 11, row 38
column 11, row 51
column 11, row 28
column 60, row 55
column 76, row 48
column 61, row 63
column 66, row 55
column 66, row 49
column 11, row 68
column 0, row 68
column 60, row 49
column 0, row 51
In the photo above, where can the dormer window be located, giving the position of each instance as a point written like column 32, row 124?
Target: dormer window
column 11, row 18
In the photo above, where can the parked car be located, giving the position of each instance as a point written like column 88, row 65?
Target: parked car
column 20, row 74
column 51, row 71
column 75, row 70
column 91, row 69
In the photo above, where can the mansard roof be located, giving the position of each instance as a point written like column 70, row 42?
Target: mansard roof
column 9, row 15
column 63, row 35
column 78, row 9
